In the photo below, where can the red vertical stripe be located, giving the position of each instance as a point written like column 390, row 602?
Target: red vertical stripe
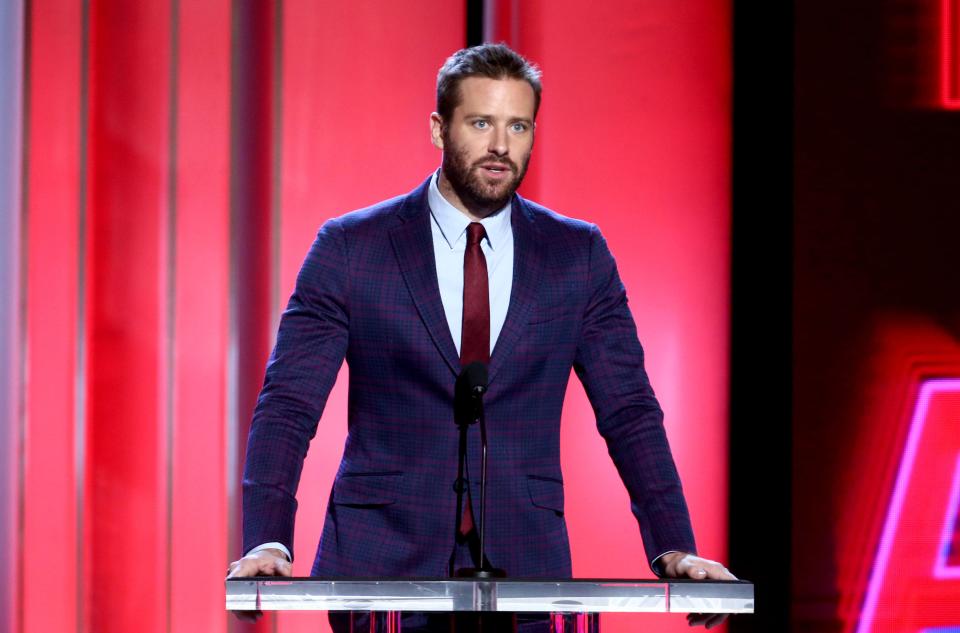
column 359, row 84
column 126, row 328
column 199, row 512
column 49, row 539
column 950, row 54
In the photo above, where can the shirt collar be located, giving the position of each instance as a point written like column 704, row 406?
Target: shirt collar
column 453, row 223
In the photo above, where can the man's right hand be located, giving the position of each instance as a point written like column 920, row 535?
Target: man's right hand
column 266, row 562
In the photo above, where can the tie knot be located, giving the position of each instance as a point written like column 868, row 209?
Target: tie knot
column 475, row 233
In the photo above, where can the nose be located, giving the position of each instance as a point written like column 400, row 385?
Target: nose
column 498, row 142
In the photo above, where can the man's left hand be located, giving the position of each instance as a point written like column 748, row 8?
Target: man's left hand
column 683, row 565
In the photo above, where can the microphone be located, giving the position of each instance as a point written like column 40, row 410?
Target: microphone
column 468, row 393
column 468, row 409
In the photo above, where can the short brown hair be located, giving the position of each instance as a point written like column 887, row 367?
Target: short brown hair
column 494, row 61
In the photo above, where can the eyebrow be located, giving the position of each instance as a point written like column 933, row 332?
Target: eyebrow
column 478, row 115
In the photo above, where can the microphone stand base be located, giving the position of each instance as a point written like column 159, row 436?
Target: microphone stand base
column 482, row 574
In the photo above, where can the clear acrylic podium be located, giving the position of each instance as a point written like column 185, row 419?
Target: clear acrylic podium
column 575, row 605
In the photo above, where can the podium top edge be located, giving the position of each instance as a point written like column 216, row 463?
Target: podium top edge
column 406, row 579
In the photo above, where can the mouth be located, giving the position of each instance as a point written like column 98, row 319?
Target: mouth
column 496, row 170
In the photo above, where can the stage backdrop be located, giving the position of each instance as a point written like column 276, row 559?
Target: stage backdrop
column 876, row 448
column 178, row 160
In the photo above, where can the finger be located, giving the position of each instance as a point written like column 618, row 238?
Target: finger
column 716, row 620
column 697, row 572
column 697, row 619
column 248, row 616
column 233, row 571
column 717, row 571
column 244, row 568
column 238, row 570
column 271, row 566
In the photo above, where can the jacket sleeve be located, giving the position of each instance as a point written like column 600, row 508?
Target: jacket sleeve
column 609, row 363
column 310, row 348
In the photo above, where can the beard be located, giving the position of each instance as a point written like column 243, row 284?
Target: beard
column 468, row 181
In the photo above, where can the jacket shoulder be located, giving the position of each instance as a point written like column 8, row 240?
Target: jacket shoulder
column 382, row 214
column 551, row 222
column 375, row 216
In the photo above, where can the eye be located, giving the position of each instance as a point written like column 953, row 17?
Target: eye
column 480, row 124
column 519, row 127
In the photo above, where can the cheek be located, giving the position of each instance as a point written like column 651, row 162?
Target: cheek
column 521, row 151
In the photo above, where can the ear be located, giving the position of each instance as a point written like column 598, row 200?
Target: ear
column 436, row 130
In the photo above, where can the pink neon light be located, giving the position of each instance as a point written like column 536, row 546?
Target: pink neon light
column 942, row 569
column 904, row 473
column 949, row 58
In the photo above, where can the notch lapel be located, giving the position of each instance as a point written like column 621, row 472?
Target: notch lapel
column 413, row 244
column 527, row 266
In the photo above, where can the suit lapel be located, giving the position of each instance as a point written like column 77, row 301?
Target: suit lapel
column 413, row 243
column 527, row 266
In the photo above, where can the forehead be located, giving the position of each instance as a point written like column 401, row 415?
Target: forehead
column 502, row 97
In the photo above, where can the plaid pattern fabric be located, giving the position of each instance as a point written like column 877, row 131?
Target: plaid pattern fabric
column 368, row 293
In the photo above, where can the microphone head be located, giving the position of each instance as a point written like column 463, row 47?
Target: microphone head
column 474, row 377
column 468, row 392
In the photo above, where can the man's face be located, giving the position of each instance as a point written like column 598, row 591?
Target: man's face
column 486, row 143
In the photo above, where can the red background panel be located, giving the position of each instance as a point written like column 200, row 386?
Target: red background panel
column 199, row 302
column 126, row 489
column 49, row 487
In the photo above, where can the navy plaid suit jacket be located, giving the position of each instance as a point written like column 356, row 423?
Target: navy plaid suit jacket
column 368, row 293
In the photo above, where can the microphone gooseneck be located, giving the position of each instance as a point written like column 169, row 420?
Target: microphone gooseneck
column 469, row 389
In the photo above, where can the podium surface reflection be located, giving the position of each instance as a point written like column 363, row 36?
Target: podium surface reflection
column 593, row 596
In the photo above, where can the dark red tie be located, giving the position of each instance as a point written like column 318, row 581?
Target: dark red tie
column 475, row 334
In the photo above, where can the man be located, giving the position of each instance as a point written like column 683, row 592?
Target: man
column 411, row 290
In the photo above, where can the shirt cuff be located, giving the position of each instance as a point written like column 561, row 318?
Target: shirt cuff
column 654, row 564
column 279, row 546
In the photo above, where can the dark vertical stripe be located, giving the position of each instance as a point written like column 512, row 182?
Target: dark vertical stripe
column 761, row 308
column 489, row 20
column 251, row 198
column 501, row 21
column 21, row 437
column 475, row 22
column 171, row 306
column 251, row 223
column 80, row 386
